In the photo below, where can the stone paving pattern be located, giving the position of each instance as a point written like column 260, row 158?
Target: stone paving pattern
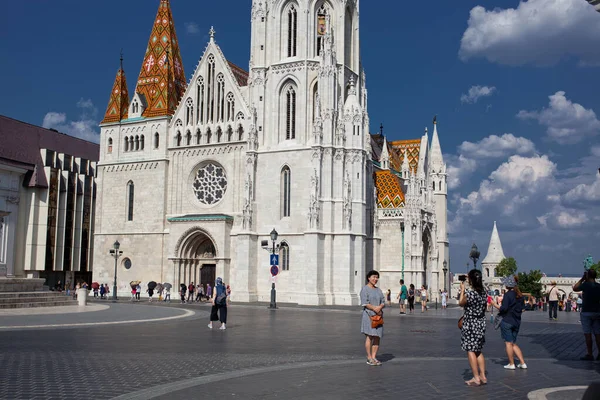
column 306, row 353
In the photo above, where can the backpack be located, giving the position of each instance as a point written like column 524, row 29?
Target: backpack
column 221, row 299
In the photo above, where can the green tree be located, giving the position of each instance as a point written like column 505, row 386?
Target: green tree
column 507, row 267
column 530, row 282
column 596, row 266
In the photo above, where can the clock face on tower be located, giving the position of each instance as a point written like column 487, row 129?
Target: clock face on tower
column 210, row 183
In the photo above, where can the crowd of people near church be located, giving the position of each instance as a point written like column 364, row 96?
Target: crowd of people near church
column 476, row 301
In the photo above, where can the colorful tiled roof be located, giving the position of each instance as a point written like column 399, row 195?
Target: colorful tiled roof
column 118, row 104
column 389, row 190
column 162, row 79
column 410, row 147
column 241, row 76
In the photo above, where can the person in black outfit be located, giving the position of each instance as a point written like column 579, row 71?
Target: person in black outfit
column 510, row 310
column 219, row 301
column 590, row 311
column 182, row 290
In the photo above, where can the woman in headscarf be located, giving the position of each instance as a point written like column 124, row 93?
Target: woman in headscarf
column 219, row 304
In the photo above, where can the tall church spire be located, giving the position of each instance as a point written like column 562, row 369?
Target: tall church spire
column 436, row 159
column 118, row 104
column 162, row 80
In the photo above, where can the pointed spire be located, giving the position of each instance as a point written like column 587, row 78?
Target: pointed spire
column 118, row 103
column 436, row 159
column 212, row 32
column 423, row 155
column 405, row 164
column 162, row 79
column 495, row 254
column 384, row 158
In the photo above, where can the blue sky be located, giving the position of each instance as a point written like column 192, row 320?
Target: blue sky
column 512, row 84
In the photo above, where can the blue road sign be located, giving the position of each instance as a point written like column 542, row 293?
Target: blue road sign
column 274, row 259
column 274, row 270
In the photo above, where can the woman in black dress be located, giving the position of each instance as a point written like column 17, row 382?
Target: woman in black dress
column 473, row 330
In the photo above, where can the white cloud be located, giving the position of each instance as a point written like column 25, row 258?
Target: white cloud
column 566, row 122
column 86, row 127
column 585, row 192
column 538, row 32
column 563, row 218
column 477, row 92
column 192, row 28
column 473, row 155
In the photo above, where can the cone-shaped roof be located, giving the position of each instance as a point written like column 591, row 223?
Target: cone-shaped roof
column 118, row 104
column 495, row 254
column 436, row 159
column 162, row 79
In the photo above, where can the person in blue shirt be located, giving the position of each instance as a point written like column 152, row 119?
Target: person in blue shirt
column 510, row 310
column 590, row 311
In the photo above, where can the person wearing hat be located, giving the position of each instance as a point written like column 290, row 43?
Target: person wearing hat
column 553, row 302
column 510, row 310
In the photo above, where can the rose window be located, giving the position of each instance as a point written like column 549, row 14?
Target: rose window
column 210, row 184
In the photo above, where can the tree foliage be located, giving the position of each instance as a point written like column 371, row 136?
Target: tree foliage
column 507, row 267
column 530, row 282
column 596, row 266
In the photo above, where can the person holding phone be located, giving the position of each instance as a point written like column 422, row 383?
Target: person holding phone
column 474, row 301
column 590, row 312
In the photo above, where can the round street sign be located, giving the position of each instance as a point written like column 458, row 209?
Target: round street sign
column 274, row 270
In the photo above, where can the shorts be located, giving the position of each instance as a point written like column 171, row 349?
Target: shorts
column 402, row 300
column 508, row 332
column 590, row 322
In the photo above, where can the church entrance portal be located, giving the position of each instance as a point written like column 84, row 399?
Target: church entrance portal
column 195, row 261
column 208, row 274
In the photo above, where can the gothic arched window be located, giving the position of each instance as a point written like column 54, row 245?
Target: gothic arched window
column 210, row 93
column 130, row 197
column 126, row 142
column 131, row 144
column 110, row 144
column 178, row 139
column 292, row 31
column 286, row 184
column 321, row 25
column 230, row 106
column 290, row 113
column 142, row 142
column 284, row 251
column 156, row 140
column 240, row 132
column 220, row 98
column 189, row 112
column 200, row 100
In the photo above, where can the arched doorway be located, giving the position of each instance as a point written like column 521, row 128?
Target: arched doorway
column 195, row 259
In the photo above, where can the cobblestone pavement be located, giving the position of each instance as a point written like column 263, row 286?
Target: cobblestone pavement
column 290, row 353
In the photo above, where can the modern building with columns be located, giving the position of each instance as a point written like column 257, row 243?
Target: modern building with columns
column 194, row 175
column 47, row 201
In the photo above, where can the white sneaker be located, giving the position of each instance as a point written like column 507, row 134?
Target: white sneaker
column 522, row 366
column 222, row 327
column 509, row 366
column 209, row 326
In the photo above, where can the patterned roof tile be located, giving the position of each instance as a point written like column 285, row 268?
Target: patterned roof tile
column 389, row 190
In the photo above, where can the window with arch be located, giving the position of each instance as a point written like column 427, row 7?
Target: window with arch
column 321, row 25
column 230, row 107
column 284, row 252
column 141, row 142
column 130, row 197
column 189, row 112
column 110, row 144
column 200, row 100
column 349, row 36
column 286, row 184
column 210, row 89
column 178, row 139
column 292, row 31
column 240, row 132
column 156, row 140
column 134, row 107
column 131, row 143
column 126, row 142
column 290, row 112
column 188, row 138
column 220, row 97
column 198, row 136
column 315, row 101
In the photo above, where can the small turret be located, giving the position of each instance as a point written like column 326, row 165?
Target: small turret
column 421, row 169
column 384, row 158
column 118, row 104
column 405, row 165
column 436, row 159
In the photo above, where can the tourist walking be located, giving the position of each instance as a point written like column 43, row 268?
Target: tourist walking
column 444, row 296
column 102, row 291
column 388, row 297
column 372, row 302
column 424, row 295
column 473, row 326
column 150, row 293
column 553, row 302
column 590, row 312
column 133, row 291
column 402, row 295
column 106, row 289
column 191, row 289
column 411, row 299
column 510, row 311
column 199, row 292
column 208, row 291
column 182, row 290
column 138, row 291
column 218, row 311
column 167, row 293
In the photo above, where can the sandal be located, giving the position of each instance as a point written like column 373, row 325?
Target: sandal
column 377, row 362
column 370, row 362
column 472, row 382
column 483, row 381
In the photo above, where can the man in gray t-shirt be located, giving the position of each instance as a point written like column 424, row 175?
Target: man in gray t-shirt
column 590, row 311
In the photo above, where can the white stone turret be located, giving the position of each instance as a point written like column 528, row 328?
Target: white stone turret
column 436, row 159
column 405, row 165
column 421, row 169
column 384, row 158
column 494, row 255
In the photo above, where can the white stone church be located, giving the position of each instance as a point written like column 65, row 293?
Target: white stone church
column 193, row 176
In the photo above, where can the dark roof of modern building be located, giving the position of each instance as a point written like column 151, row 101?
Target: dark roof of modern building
column 240, row 74
column 20, row 145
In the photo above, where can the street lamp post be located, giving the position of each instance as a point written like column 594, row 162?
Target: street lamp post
column 116, row 253
column 273, row 304
column 445, row 269
column 474, row 255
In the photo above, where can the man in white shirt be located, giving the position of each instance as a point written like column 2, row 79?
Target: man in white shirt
column 553, row 302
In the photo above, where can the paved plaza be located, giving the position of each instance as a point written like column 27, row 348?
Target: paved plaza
column 158, row 351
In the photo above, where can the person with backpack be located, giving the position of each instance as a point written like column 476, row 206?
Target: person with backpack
column 219, row 305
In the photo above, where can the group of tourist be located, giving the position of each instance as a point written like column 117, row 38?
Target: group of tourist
column 474, row 298
column 407, row 295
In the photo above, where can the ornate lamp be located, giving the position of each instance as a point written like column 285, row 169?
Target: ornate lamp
column 474, row 255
